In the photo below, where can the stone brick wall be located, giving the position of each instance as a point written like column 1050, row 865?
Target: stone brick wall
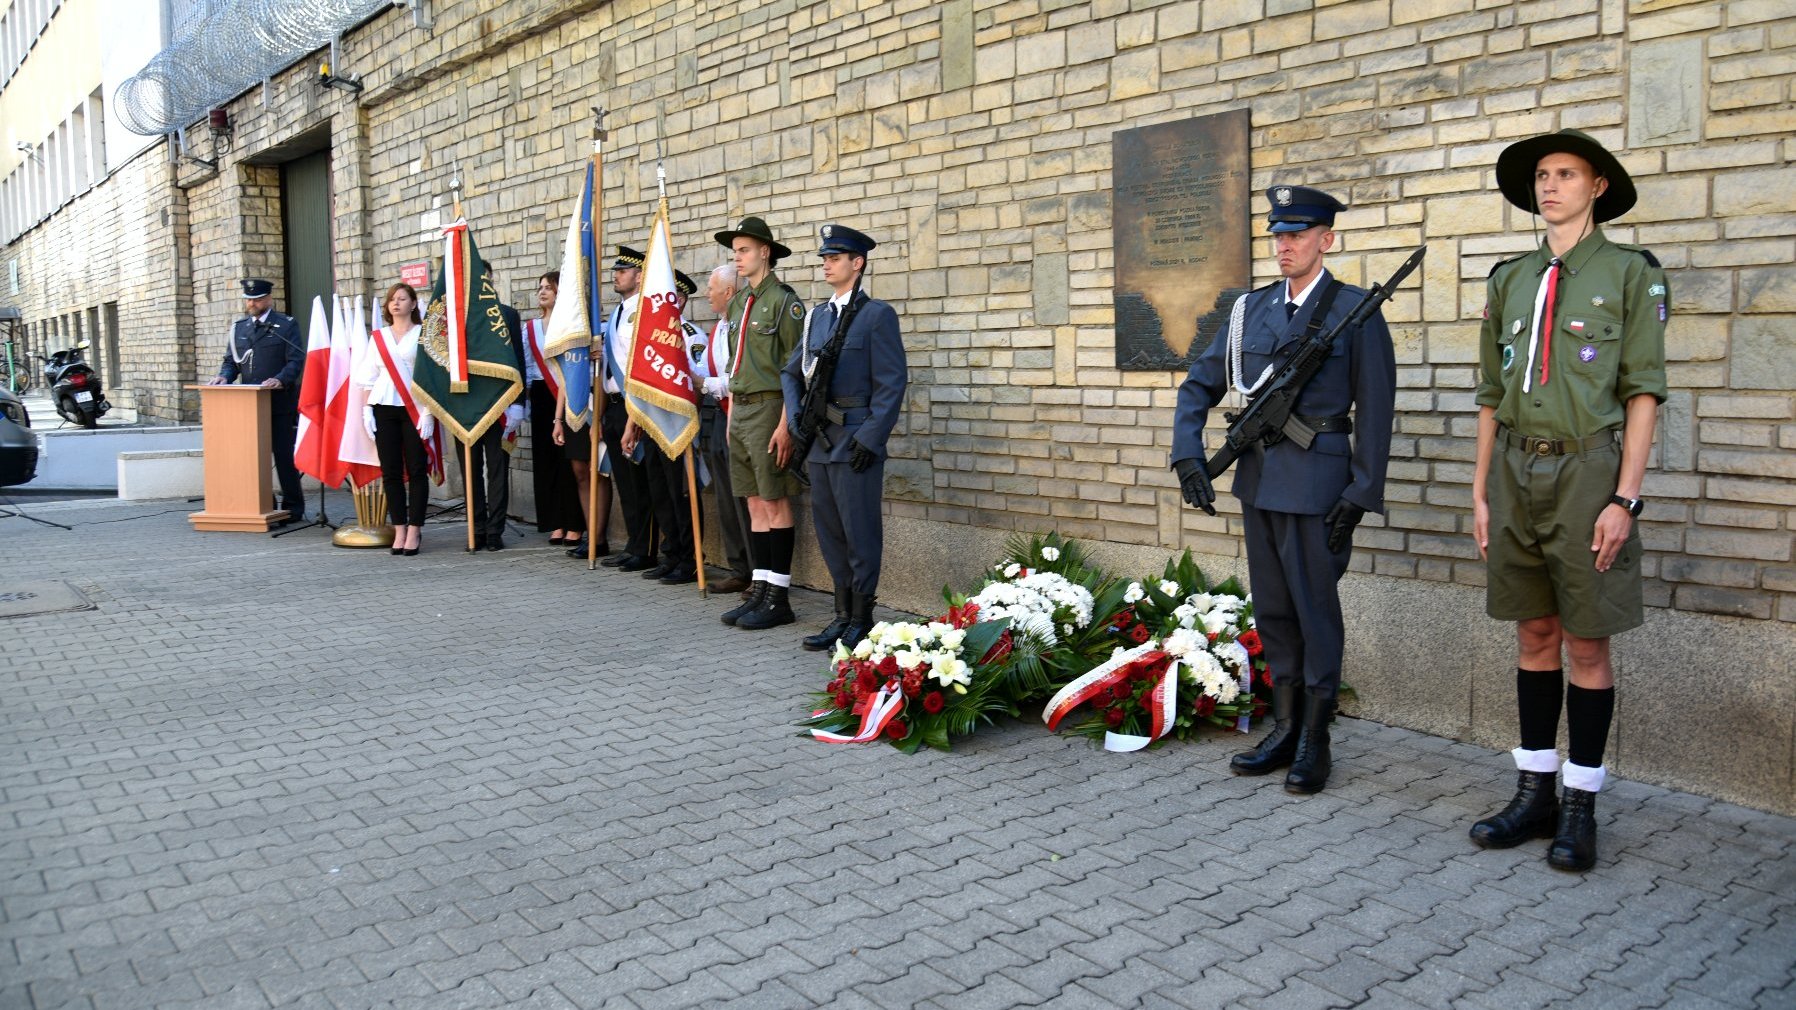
column 972, row 138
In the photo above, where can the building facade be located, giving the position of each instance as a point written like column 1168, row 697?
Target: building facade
column 972, row 139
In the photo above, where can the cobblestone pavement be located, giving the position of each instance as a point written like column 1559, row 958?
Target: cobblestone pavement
column 273, row 773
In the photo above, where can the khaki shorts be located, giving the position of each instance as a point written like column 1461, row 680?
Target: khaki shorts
column 1543, row 512
column 752, row 468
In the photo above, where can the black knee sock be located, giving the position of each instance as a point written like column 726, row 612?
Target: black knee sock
column 1587, row 716
column 1537, row 700
column 757, row 550
column 779, row 550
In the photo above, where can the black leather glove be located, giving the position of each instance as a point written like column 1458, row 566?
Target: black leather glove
column 860, row 457
column 1340, row 522
column 1194, row 483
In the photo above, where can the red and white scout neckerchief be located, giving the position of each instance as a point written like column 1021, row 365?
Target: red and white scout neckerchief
column 1542, row 337
column 741, row 335
column 533, row 333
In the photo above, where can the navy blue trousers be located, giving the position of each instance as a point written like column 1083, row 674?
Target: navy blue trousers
column 1296, row 602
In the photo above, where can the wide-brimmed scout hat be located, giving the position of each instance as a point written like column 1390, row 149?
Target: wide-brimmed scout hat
column 1515, row 171
column 754, row 228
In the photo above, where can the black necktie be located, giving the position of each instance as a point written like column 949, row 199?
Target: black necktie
column 830, row 320
column 1290, row 310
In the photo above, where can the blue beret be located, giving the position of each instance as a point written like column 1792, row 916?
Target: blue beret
column 839, row 238
column 256, row 287
column 1295, row 208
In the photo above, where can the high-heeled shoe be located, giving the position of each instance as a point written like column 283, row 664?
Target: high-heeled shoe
column 395, row 550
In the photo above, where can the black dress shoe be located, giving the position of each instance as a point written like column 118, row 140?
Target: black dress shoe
column 656, row 572
column 1531, row 814
column 680, row 576
column 495, row 543
column 479, row 545
column 1574, row 843
column 577, row 551
column 617, row 560
column 826, row 638
column 1279, row 746
column 636, row 564
column 729, row 584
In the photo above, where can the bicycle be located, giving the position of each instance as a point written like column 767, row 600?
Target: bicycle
column 15, row 370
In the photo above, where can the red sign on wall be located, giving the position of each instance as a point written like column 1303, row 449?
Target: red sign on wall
column 418, row 276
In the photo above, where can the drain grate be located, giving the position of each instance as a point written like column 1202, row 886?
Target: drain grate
column 23, row 599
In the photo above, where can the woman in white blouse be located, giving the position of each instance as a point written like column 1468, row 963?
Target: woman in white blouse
column 393, row 418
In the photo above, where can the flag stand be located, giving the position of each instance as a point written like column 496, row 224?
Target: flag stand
column 698, row 539
column 467, row 448
column 594, row 522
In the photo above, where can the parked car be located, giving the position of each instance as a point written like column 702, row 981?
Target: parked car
column 18, row 443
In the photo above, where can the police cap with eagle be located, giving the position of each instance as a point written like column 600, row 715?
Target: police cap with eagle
column 839, row 238
column 1295, row 208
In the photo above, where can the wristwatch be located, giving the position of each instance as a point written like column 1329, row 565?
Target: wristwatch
column 1633, row 505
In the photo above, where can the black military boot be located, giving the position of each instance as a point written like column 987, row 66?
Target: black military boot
column 1310, row 765
column 860, row 618
column 1574, row 843
column 756, row 591
column 833, row 630
column 775, row 610
column 1280, row 745
column 1529, row 815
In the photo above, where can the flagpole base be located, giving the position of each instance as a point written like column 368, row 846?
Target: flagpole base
column 357, row 536
column 371, row 528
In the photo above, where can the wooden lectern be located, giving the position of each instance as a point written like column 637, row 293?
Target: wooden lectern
column 237, row 441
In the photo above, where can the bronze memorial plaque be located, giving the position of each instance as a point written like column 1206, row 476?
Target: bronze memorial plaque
column 1182, row 238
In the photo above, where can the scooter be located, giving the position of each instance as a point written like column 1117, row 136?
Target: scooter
column 74, row 388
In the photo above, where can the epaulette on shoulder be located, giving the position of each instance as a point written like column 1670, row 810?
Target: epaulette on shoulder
column 1500, row 264
column 1645, row 254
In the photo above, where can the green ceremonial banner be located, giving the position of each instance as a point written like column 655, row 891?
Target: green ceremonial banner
column 466, row 373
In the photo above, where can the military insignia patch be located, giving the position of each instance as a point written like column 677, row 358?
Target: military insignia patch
column 1508, row 356
column 1596, row 300
column 797, row 313
column 1282, row 196
column 826, row 230
column 1656, row 290
column 1662, row 312
column 1587, row 354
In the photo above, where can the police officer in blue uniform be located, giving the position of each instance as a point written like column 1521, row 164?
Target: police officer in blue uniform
column 865, row 395
column 1299, row 506
column 265, row 350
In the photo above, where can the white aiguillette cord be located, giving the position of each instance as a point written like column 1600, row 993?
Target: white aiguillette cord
column 1237, row 319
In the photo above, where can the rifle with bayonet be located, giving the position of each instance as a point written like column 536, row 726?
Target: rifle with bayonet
column 1271, row 415
column 814, row 412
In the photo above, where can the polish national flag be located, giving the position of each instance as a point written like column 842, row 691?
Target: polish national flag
column 355, row 448
column 313, row 452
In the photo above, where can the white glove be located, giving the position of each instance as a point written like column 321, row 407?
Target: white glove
column 427, row 426
column 368, row 421
column 514, row 416
column 717, row 385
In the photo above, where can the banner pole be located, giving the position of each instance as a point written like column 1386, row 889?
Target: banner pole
column 467, row 480
column 594, row 521
column 698, row 539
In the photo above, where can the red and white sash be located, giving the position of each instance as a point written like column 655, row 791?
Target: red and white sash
column 433, row 446
column 533, row 339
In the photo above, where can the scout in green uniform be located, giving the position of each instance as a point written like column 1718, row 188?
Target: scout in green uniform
column 1571, row 373
column 766, row 321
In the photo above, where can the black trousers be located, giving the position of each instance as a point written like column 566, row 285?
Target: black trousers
column 490, row 482
column 551, row 474
column 845, row 513
column 630, row 481
column 671, row 504
column 732, row 512
column 284, row 425
column 404, row 469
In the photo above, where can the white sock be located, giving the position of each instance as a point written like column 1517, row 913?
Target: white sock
column 1579, row 777
column 759, row 576
column 1546, row 761
column 779, row 578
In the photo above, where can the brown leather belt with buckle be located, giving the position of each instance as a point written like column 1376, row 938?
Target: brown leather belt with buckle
column 1534, row 446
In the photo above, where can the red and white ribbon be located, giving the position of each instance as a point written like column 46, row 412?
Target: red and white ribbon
column 1162, row 704
column 884, row 708
column 1090, row 684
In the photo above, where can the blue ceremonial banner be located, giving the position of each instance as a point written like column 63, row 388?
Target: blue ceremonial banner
column 574, row 325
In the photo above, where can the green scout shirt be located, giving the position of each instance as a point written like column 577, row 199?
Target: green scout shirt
column 775, row 324
column 1608, row 342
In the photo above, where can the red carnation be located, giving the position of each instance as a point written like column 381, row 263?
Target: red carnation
column 1113, row 717
column 1205, row 705
column 1121, row 691
column 913, row 683
column 1138, row 634
column 897, row 730
column 1250, row 640
column 844, row 699
column 933, row 702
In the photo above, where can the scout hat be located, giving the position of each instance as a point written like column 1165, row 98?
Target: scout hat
column 256, row 287
column 1515, row 171
column 627, row 258
column 757, row 229
column 1295, row 208
column 684, row 285
column 843, row 239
